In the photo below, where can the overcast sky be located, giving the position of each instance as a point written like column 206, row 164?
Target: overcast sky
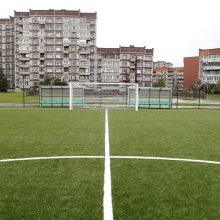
column 174, row 28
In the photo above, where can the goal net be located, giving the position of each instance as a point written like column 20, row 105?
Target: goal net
column 103, row 95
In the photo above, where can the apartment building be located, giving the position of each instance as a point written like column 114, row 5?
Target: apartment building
column 173, row 76
column 59, row 43
column 125, row 64
column 7, row 49
column 209, row 65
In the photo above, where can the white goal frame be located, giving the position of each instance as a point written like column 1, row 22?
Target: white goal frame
column 82, row 85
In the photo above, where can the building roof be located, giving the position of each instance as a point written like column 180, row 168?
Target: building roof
column 52, row 12
column 4, row 20
column 213, row 51
column 108, row 50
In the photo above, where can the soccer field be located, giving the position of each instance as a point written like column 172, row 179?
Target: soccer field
column 164, row 164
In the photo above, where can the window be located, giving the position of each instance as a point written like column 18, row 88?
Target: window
column 66, row 26
column 59, row 56
column 50, row 34
column 65, row 33
column 75, row 20
column 59, row 20
column 34, row 20
column 59, row 34
column 82, row 20
column 27, row 27
column 50, row 20
column 26, row 20
column 59, row 41
column 49, row 48
column 50, row 63
column 50, row 41
column 66, row 62
column 58, row 63
column 139, row 64
column 59, row 48
column 84, row 27
column 124, row 64
column 50, row 55
column 66, row 19
column 35, row 27
column 58, row 27
column 59, row 70
column 50, row 27
column 49, row 70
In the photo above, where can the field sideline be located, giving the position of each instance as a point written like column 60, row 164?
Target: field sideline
column 142, row 187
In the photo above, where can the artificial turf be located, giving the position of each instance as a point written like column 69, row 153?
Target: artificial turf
column 141, row 189
column 51, row 132
column 145, row 189
column 51, row 189
column 166, row 133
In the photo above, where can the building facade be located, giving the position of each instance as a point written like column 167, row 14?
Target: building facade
column 57, row 43
column 61, row 45
column 209, row 65
column 173, row 76
column 125, row 64
column 7, row 49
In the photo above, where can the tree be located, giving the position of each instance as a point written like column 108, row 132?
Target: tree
column 3, row 82
column 160, row 83
column 47, row 80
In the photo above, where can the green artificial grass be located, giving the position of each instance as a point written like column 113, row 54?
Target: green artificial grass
column 51, row 132
column 52, row 189
column 17, row 97
column 166, row 133
column 165, row 190
column 141, row 189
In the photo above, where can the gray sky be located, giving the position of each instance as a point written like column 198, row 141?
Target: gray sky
column 174, row 28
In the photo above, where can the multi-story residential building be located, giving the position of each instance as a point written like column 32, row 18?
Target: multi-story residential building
column 59, row 43
column 209, row 65
column 7, row 49
column 172, row 76
column 125, row 64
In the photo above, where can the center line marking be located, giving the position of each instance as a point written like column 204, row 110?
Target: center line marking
column 107, row 201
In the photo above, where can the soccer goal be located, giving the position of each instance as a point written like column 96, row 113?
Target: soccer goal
column 103, row 95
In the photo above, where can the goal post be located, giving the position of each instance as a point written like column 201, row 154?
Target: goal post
column 103, row 95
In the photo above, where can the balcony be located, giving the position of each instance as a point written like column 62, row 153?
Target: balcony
column 211, row 67
column 24, row 73
column 84, row 51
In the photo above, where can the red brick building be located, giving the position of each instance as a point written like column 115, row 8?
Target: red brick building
column 191, row 72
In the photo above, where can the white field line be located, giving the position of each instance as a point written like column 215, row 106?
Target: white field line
column 166, row 158
column 107, row 200
column 113, row 157
column 51, row 158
